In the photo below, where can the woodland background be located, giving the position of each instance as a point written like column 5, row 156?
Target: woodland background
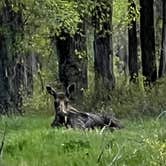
column 114, row 52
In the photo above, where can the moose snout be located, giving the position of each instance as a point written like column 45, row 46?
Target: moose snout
column 61, row 108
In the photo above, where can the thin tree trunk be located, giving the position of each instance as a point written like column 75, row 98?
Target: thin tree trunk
column 148, row 41
column 132, row 38
column 162, row 69
column 158, row 28
column 29, row 65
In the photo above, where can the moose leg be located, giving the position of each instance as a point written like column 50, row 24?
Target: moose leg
column 57, row 121
column 90, row 124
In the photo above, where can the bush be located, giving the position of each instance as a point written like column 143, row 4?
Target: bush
column 129, row 99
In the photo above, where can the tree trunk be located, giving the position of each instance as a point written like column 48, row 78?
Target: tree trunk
column 11, row 67
column 148, row 41
column 4, row 82
column 72, row 56
column 162, row 69
column 103, row 49
column 132, row 39
column 30, row 68
column 158, row 28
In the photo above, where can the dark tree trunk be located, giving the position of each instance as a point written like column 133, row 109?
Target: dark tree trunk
column 72, row 56
column 11, row 67
column 4, row 82
column 15, row 66
column 103, row 49
column 148, row 41
column 132, row 39
column 162, row 69
column 16, row 86
column 5, row 96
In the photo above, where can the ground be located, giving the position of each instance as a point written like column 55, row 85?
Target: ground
column 30, row 141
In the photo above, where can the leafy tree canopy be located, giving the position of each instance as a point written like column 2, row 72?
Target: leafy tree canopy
column 43, row 19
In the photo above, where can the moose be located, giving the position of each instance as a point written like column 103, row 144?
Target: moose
column 68, row 116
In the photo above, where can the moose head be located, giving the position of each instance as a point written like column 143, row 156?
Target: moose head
column 60, row 99
column 61, row 104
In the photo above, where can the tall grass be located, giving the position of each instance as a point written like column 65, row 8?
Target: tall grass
column 31, row 142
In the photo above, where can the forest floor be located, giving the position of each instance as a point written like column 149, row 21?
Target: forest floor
column 30, row 141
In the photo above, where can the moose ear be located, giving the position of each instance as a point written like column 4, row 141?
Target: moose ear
column 70, row 89
column 51, row 91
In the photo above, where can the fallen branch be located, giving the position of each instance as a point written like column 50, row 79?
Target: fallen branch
column 106, row 126
column 3, row 141
column 160, row 115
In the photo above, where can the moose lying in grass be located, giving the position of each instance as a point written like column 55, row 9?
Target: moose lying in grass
column 66, row 115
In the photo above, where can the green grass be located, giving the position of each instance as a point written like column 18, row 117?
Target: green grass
column 31, row 142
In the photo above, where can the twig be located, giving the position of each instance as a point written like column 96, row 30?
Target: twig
column 102, row 130
column 3, row 141
column 161, row 114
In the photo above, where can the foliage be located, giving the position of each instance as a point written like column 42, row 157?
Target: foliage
column 136, row 100
column 133, row 11
column 45, row 19
column 40, row 102
column 128, row 99
column 42, row 20
column 119, row 12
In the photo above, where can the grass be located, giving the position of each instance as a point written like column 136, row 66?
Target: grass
column 31, row 142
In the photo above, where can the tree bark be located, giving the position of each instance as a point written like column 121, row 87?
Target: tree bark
column 30, row 68
column 158, row 28
column 4, row 82
column 103, row 49
column 11, row 63
column 148, row 41
column 132, row 39
column 162, row 68
column 72, row 55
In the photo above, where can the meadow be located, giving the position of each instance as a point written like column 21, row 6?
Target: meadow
column 30, row 141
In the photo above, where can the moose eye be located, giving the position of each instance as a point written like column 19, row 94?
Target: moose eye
column 66, row 102
column 56, row 103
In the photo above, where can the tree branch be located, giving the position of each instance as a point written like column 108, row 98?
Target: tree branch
column 3, row 140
